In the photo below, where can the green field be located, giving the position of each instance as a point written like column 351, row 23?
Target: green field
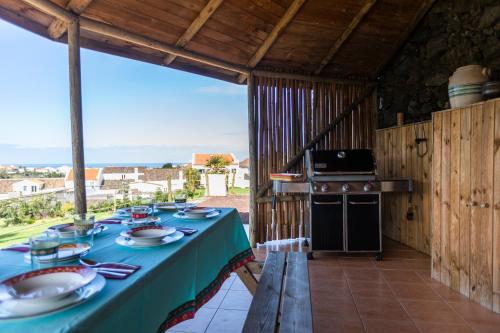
column 13, row 234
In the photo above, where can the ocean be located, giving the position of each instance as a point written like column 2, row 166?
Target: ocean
column 99, row 165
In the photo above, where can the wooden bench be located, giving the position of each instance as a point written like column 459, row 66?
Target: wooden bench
column 282, row 301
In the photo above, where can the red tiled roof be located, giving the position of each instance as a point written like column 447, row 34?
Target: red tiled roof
column 90, row 174
column 201, row 159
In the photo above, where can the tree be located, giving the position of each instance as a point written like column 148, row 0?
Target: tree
column 192, row 181
column 216, row 164
column 167, row 166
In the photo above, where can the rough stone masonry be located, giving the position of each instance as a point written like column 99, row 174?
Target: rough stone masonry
column 454, row 33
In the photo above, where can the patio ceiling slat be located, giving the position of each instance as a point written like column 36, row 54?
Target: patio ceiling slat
column 57, row 28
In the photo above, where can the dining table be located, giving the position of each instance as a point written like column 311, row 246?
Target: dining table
column 173, row 282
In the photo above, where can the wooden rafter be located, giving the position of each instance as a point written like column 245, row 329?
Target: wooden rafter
column 345, row 35
column 424, row 8
column 273, row 35
column 195, row 26
column 58, row 27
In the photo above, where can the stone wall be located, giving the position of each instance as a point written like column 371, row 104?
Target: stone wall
column 454, row 33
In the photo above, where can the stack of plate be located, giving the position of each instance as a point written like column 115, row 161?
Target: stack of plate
column 198, row 213
column 148, row 236
column 47, row 290
column 67, row 252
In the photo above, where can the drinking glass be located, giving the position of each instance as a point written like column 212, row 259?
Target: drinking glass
column 84, row 228
column 139, row 212
column 44, row 250
column 180, row 201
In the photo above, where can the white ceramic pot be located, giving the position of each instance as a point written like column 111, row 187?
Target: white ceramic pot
column 465, row 85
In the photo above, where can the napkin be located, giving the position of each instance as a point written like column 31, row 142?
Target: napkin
column 18, row 248
column 110, row 221
column 118, row 265
column 186, row 231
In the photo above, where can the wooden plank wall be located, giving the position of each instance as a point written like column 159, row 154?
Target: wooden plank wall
column 399, row 156
column 466, row 201
column 289, row 114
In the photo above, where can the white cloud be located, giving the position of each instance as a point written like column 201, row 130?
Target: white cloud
column 223, row 89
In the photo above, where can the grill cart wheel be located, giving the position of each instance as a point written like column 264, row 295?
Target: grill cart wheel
column 379, row 256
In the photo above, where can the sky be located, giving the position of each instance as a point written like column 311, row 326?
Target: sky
column 132, row 111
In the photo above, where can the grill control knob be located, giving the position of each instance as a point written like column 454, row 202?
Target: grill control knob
column 368, row 187
column 324, row 188
column 346, row 188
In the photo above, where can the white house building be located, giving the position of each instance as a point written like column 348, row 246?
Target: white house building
column 93, row 179
column 27, row 186
column 123, row 173
column 236, row 171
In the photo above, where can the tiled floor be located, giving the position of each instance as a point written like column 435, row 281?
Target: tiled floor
column 225, row 312
column 359, row 294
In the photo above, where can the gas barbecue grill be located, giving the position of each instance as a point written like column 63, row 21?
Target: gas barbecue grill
column 344, row 200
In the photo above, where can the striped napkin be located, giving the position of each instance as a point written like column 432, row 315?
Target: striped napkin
column 135, row 268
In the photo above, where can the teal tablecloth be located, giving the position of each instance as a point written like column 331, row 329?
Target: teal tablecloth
column 173, row 282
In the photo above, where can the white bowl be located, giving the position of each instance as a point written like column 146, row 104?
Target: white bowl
column 49, row 284
column 197, row 212
column 148, row 234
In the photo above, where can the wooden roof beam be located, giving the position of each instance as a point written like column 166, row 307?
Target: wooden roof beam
column 345, row 35
column 58, row 27
column 273, row 35
column 195, row 26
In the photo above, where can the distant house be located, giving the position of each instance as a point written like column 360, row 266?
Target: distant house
column 93, row 179
column 243, row 174
column 27, row 186
column 122, row 173
column 199, row 161
column 153, row 180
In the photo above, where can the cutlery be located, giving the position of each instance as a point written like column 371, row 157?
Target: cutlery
column 95, row 264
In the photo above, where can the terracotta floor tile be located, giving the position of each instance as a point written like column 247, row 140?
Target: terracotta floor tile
column 363, row 262
column 332, row 304
column 391, row 263
column 359, row 274
column 380, row 308
column 447, row 293
column 424, row 275
column 417, row 291
column 477, row 316
column 362, row 288
column 418, row 263
column 393, row 275
column 427, row 327
column 326, row 323
column 330, row 272
column 328, row 286
column 382, row 326
column 432, row 311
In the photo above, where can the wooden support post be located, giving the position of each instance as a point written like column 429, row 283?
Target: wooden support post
column 252, row 142
column 246, row 276
column 75, row 90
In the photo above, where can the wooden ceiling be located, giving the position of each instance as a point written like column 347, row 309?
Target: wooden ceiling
column 326, row 38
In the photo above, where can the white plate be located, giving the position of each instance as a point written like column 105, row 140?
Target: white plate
column 66, row 252
column 124, row 241
column 148, row 234
column 198, row 216
column 18, row 309
column 46, row 285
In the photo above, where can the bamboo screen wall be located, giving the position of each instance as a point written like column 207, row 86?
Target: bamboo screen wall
column 290, row 114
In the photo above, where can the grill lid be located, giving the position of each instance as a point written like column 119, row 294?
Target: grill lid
column 345, row 161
